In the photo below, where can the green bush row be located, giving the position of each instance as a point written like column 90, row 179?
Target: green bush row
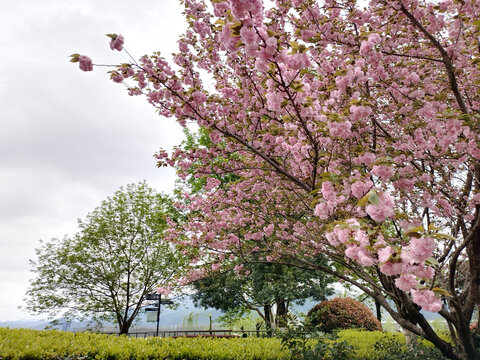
column 23, row 344
column 356, row 344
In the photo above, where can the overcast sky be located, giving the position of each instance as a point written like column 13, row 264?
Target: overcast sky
column 69, row 139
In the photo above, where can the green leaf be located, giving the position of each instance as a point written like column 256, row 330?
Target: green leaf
column 443, row 236
column 432, row 261
column 466, row 118
column 441, row 291
column 236, row 27
column 414, row 230
column 74, row 58
column 373, row 199
column 364, row 200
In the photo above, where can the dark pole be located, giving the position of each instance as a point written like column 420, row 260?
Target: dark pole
column 158, row 311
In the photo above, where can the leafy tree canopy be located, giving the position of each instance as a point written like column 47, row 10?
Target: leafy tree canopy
column 260, row 286
column 105, row 270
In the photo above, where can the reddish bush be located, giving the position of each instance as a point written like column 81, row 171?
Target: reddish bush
column 342, row 313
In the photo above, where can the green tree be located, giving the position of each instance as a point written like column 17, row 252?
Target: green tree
column 105, row 271
column 268, row 286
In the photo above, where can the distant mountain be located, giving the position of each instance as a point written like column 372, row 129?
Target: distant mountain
column 26, row 324
column 170, row 319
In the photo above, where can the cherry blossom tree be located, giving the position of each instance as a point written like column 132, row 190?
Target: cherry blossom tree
column 353, row 131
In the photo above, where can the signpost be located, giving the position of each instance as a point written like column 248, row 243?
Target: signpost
column 158, row 298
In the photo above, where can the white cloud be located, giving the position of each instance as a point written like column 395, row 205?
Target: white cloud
column 69, row 139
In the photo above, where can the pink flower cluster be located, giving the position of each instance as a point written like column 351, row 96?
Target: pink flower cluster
column 164, row 290
column 355, row 241
column 330, row 201
column 384, row 172
column 241, row 8
column 408, row 268
column 367, row 46
column 212, row 183
column 117, row 42
column 360, row 188
column 85, row 63
column 426, row 299
column 340, row 129
column 419, row 250
column 383, row 209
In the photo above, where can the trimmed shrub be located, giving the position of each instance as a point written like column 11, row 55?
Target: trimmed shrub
column 25, row 344
column 342, row 313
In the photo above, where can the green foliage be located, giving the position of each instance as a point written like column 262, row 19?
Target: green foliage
column 22, row 344
column 377, row 345
column 191, row 320
column 389, row 348
column 305, row 342
column 365, row 342
column 201, row 139
column 233, row 320
column 266, row 284
column 308, row 343
column 342, row 313
column 107, row 268
column 302, row 343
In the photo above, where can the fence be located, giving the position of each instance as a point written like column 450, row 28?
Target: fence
column 194, row 333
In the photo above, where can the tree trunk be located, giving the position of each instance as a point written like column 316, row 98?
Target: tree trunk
column 125, row 323
column 378, row 308
column 281, row 316
column 267, row 309
column 473, row 296
column 124, row 327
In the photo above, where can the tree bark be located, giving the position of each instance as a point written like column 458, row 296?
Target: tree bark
column 378, row 308
column 281, row 316
column 267, row 309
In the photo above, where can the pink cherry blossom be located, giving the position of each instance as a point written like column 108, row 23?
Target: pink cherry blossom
column 383, row 171
column 328, row 191
column 340, row 129
column 406, row 282
column 384, row 254
column 85, row 63
column 164, row 291
column 212, row 183
column 419, row 249
column 116, row 43
column 383, row 210
column 391, row 268
column 238, row 268
column 427, row 300
column 360, row 188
